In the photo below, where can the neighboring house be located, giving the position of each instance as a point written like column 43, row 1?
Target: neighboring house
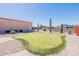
column 66, row 28
column 6, row 25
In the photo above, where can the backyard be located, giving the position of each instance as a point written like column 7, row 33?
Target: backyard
column 42, row 43
column 14, row 47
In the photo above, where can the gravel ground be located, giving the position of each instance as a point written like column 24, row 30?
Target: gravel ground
column 11, row 47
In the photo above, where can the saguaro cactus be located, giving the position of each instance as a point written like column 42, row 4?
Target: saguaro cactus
column 50, row 25
column 61, row 30
column 38, row 27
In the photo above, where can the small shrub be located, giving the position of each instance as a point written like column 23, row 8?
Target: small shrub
column 12, row 32
column 44, row 30
column 70, row 32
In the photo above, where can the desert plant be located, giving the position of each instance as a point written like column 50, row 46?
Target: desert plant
column 12, row 32
column 50, row 26
column 61, row 30
column 44, row 29
column 38, row 27
column 41, row 26
column 70, row 32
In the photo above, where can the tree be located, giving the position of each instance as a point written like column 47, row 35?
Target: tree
column 38, row 27
column 61, row 30
column 41, row 26
column 50, row 25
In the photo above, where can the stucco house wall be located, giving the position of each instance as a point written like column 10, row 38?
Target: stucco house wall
column 12, row 24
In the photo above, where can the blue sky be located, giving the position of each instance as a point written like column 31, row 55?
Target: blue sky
column 59, row 13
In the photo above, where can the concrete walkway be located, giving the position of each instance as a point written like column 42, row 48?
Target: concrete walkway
column 9, row 46
column 72, row 46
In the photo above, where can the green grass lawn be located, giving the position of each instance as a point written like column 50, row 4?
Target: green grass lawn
column 42, row 43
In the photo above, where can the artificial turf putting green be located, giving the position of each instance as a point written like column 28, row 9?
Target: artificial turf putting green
column 42, row 43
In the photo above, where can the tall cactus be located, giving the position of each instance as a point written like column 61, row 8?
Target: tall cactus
column 50, row 25
column 61, row 30
column 38, row 27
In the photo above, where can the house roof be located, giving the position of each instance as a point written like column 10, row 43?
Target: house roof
column 14, row 20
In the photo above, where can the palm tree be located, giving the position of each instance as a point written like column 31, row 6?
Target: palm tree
column 50, row 25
